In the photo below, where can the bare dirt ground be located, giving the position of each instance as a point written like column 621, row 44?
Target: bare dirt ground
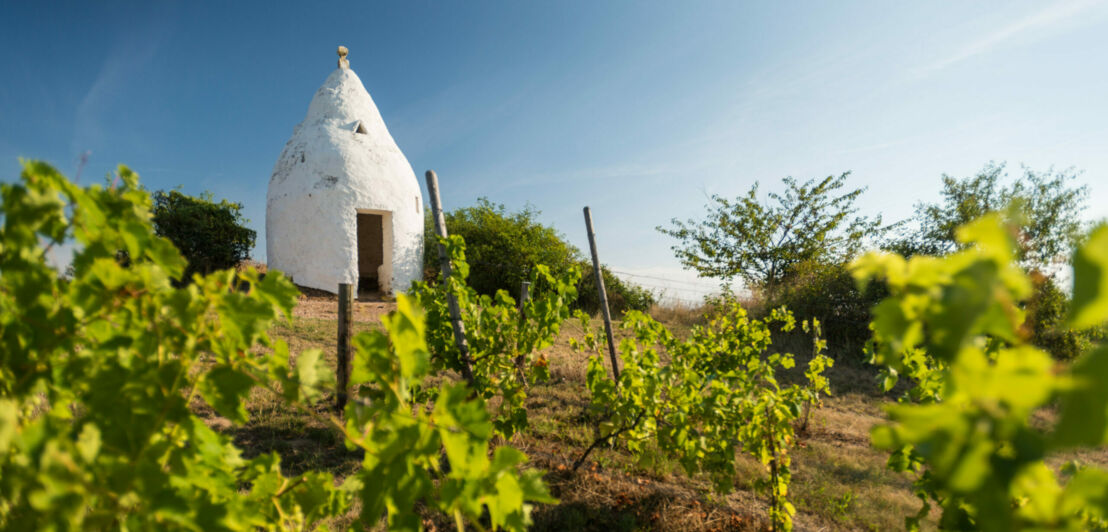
column 368, row 308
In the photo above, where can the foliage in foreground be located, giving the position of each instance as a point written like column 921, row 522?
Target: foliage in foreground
column 97, row 375
column 952, row 325
column 718, row 394
column 211, row 236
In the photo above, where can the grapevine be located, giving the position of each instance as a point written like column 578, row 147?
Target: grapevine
column 952, row 324
column 505, row 338
column 97, row 374
column 718, row 394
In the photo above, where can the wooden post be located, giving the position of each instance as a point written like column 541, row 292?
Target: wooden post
column 444, row 264
column 603, row 296
column 346, row 323
column 524, row 294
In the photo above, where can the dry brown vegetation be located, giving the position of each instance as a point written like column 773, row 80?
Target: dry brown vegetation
column 839, row 481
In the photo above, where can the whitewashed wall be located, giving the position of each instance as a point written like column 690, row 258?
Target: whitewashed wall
column 325, row 175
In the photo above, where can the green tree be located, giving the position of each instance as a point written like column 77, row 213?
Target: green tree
column 211, row 236
column 1045, row 206
column 761, row 241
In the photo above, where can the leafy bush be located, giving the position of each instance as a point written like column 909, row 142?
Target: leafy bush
column 211, row 236
column 1047, row 309
column 503, row 248
column 827, row 291
column 98, row 373
column 622, row 296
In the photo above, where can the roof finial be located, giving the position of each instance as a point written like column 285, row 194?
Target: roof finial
column 343, row 63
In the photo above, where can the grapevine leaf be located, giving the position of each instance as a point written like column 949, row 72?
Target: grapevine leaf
column 1087, row 492
column 224, row 388
column 312, row 373
column 280, row 371
column 1090, row 281
column 278, row 290
column 1084, row 420
column 406, row 331
column 9, row 419
column 88, row 442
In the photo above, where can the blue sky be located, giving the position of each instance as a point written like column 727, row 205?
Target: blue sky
column 638, row 109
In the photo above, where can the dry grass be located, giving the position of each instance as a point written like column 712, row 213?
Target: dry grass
column 678, row 313
column 839, row 481
column 257, row 265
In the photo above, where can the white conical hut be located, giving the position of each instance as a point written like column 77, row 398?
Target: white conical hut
column 344, row 205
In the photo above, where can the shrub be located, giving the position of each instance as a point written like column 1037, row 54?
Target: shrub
column 829, row 293
column 1045, row 325
column 211, row 236
column 622, row 296
column 503, row 248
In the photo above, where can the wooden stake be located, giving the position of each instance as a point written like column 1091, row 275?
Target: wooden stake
column 346, row 322
column 603, row 296
column 444, row 261
column 524, row 294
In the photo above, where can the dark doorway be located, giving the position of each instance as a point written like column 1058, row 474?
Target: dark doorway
column 371, row 251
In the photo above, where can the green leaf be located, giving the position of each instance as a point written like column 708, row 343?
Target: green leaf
column 1090, row 281
column 1084, row 420
column 406, row 332
column 88, row 442
column 9, row 423
column 509, row 500
column 225, row 388
column 313, row 374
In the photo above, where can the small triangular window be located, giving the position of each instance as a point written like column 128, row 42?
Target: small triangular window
column 360, row 128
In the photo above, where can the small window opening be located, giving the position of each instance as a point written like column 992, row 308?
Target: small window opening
column 301, row 157
column 417, row 204
column 360, row 128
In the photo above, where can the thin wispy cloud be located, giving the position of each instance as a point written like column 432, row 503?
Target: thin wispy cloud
column 1042, row 20
column 590, row 174
column 122, row 68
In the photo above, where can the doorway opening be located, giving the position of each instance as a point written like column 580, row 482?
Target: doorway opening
column 371, row 251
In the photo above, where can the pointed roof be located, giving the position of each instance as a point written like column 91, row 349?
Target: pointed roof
column 343, row 99
column 340, row 161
